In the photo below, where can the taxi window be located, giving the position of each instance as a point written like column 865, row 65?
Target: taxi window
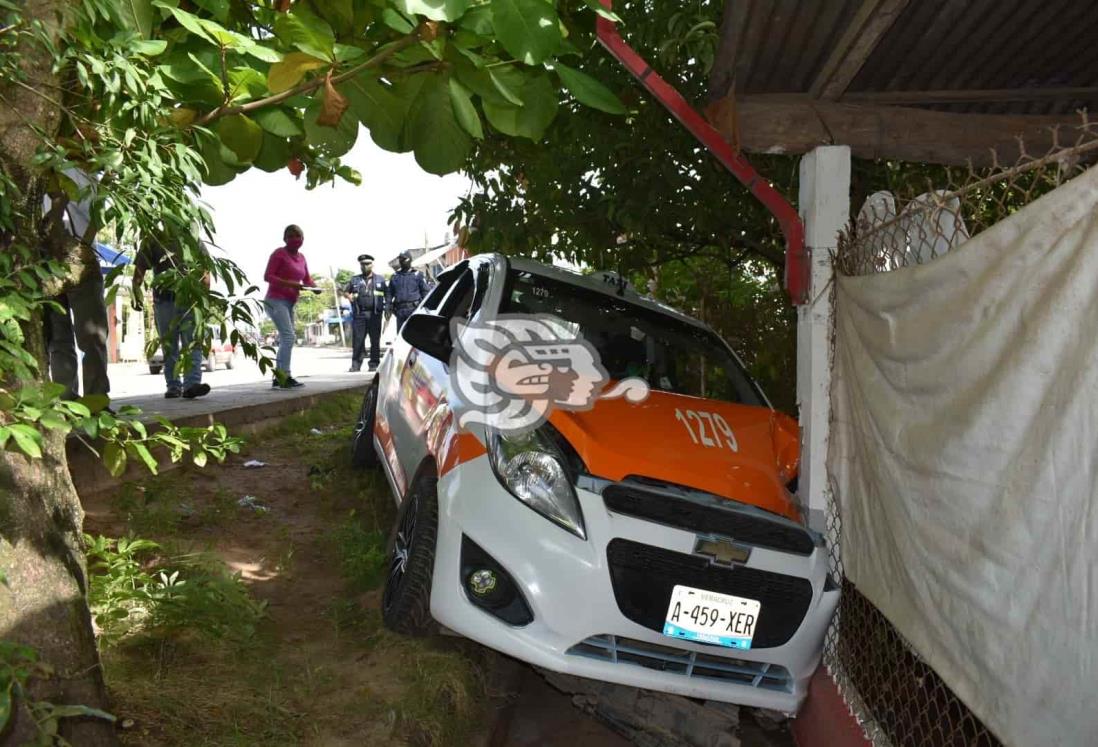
column 671, row 355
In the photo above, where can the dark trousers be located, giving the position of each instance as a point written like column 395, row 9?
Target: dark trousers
column 82, row 324
column 402, row 313
column 369, row 324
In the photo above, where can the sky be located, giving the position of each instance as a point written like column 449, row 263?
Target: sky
column 395, row 206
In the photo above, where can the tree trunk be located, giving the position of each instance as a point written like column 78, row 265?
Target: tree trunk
column 43, row 604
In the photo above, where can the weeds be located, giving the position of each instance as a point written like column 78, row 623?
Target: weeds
column 361, row 553
column 444, row 689
column 136, row 592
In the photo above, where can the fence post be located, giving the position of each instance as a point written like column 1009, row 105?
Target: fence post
column 824, row 204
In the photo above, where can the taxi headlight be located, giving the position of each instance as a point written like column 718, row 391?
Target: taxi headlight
column 532, row 469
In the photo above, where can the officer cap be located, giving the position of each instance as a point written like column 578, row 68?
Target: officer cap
column 405, row 254
column 365, row 258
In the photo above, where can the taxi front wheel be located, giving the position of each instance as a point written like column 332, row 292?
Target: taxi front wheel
column 362, row 442
column 406, row 600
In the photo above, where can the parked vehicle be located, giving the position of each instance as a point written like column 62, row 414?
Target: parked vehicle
column 221, row 352
column 652, row 543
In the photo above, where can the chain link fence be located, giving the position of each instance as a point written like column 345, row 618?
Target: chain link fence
column 896, row 697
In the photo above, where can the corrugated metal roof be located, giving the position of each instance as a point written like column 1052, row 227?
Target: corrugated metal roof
column 1024, row 46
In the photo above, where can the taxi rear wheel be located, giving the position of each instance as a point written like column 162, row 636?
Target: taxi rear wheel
column 362, row 442
column 406, row 599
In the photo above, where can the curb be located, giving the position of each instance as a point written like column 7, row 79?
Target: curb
column 89, row 475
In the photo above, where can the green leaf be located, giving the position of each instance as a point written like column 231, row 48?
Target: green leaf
column 531, row 120
column 348, row 52
column 606, row 13
column 143, row 453
column 278, row 122
column 380, row 109
column 478, row 20
column 528, row 29
column 436, row 10
column 504, row 88
column 241, row 135
column 588, row 91
column 396, row 21
column 28, row 439
column 199, row 458
column 466, row 113
column 187, row 20
column 274, row 154
column 339, row 13
column 440, row 144
column 287, row 73
column 114, row 459
column 94, row 402
column 309, row 33
column 137, row 15
column 149, row 47
column 332, row 141
column 218, row 168
column 55, row 422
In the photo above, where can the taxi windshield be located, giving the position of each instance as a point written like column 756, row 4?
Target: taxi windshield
column 671, row 355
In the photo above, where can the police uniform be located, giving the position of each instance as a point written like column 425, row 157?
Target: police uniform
column 407, row 287
column 369, row 303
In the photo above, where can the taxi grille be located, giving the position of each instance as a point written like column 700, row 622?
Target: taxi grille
column 619, row 650
column 663, row 507
column 643, row 577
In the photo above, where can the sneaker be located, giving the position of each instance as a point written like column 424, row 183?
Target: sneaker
column 354, row 369
column 275, row 384
column 292, row 383
column 372, row 366
column 196, row 390
column 173, row 393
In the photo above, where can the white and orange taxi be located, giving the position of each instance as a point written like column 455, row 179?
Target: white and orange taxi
column 644, row 540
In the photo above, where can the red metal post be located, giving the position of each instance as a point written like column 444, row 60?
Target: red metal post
column 796, row 257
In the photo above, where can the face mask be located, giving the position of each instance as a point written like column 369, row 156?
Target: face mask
column 405, row 264
column 294, row 243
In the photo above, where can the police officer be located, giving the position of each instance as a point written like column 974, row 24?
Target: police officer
column 369, row 296
column 407, row 288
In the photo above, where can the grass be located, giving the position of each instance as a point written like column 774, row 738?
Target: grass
column 276, row 680
column 362, row 553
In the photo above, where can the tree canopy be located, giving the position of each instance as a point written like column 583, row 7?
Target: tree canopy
column 129, row 107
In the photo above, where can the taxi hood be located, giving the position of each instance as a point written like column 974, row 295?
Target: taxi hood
column 739, row 452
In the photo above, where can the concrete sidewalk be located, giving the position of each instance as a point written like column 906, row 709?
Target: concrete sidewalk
column 242, row 403
column 242, row 408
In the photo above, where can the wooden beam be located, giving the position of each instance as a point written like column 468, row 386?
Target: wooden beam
column 764, row 125
column 870, row 22
column 970, row 97
column 945, row 96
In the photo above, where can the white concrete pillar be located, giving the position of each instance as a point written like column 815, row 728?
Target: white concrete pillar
column 825, row 209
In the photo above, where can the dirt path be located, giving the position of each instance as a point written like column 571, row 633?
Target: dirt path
column 320, row 670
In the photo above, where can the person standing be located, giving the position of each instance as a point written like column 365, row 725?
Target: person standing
column 174, row 322
column 287, row 275
column 369, row 296
column 81, row 320
column 407, row 288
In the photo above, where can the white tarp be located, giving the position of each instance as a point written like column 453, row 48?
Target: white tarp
column 964, row 455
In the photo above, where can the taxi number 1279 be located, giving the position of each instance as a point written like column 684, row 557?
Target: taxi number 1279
column 708, row 429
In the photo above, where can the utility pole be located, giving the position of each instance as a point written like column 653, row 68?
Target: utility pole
column 338, row 308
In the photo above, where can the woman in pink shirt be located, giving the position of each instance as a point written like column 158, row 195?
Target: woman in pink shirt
column 287, row 275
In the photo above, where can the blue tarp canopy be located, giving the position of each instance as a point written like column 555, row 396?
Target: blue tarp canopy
column 110, row 258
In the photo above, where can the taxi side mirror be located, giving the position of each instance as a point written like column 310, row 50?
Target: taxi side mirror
column 430, row 334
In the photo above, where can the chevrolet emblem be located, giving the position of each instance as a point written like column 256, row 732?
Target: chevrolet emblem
column 721, row 551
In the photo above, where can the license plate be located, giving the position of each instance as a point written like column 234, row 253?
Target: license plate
column 711, row 617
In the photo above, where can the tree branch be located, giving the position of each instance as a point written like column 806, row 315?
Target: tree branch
column 312, row 85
